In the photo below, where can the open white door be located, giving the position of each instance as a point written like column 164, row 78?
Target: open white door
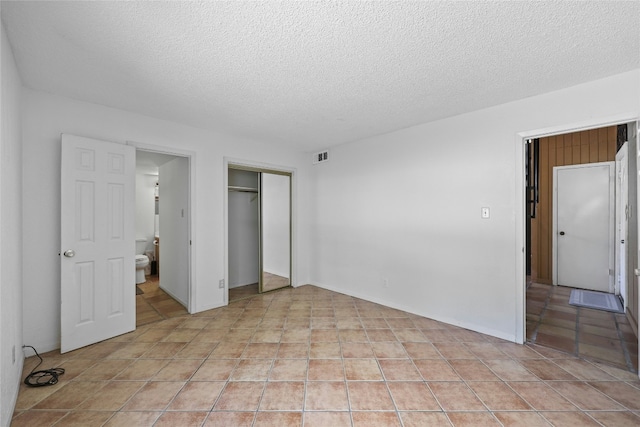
column 97, row 256
column 583, row 226
column 633, row 289
column 622, row 217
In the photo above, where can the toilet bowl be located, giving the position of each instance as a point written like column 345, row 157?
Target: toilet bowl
column 141, row 262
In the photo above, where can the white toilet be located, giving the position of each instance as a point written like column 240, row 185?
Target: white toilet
column 141, row 260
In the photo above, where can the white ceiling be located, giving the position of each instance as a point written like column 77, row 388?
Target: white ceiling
column 148, row 162
column 316, row 74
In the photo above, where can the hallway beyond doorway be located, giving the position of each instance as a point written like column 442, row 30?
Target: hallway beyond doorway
column 154, row 304
column 590, row 334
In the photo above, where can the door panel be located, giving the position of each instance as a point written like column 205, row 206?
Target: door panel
column 275, row 231
column 97, row 260
column 622, row 217
column 583, row 207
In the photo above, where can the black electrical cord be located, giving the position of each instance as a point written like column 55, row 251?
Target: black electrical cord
column 44, row 377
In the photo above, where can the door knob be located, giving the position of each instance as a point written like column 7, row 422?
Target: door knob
column 69, row 253
column 562, row 233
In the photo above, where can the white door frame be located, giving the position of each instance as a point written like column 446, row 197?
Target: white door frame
column 190, row 156
column 622, row 216
column 294, row 229
column 519, row 181
column 554, row 224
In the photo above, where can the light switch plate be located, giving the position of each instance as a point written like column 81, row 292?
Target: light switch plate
column 485, row 213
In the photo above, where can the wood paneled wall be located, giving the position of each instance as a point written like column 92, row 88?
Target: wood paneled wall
column 591, row 146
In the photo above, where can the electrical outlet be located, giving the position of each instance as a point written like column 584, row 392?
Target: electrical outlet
column 13, row 354
column 221, row 284
column 385, row 283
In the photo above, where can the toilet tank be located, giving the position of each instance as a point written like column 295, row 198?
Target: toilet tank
column 141, row 246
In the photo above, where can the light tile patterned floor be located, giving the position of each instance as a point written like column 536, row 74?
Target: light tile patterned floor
column 312, row 357
column 591, row 334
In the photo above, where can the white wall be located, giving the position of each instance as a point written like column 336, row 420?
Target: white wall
column 174, row 229
column 405, row 207
column 11, row 355
column 46, row 116
column 275, row 224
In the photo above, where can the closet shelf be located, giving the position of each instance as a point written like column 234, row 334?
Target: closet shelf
column 243, row 189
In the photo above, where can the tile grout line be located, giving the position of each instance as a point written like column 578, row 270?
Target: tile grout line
column 623, row 342
column 577, row 338
column 534, row 334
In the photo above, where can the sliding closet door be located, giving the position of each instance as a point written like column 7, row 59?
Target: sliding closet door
column 275, row 231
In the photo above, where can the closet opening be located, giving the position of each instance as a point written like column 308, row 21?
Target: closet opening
column 259, row 231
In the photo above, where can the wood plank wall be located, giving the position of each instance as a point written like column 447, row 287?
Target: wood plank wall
column 591, row 146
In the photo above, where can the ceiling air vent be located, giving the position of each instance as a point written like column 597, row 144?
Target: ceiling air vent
column 320, row 157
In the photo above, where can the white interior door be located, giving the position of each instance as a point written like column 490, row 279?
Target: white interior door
column 633, row 290
column 584, row 225
column 622, row 216
column 97, row 256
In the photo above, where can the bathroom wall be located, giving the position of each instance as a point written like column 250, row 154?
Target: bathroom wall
column 145, row 208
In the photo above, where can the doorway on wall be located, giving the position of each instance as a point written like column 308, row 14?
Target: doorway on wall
column 550, row 320
column 98, row 237
column 162, row 227
column 259, row 231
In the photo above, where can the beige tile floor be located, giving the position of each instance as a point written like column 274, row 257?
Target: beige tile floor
column 308, row 356
column 242, row 292
column 270, row 282
column 155, row 304
column 596, row 335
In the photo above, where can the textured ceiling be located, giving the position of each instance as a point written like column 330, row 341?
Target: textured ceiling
column 316, row 74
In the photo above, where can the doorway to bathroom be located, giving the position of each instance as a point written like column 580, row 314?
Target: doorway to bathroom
column 259, row 231
column 162, row 235
column 98, row 237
